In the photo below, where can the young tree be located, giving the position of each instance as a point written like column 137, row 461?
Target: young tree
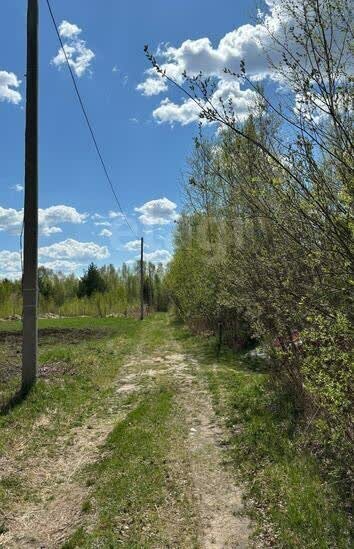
column 91, row 282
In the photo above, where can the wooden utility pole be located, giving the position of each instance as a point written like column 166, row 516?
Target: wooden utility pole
column 142, row 280
column 30, row 256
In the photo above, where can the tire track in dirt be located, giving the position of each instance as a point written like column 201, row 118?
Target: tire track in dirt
column 218, row 500
column 57, row 511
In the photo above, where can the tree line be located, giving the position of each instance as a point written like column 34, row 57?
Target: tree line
column 100, row 291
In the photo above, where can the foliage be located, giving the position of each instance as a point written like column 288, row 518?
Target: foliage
column 286, row 494
column 265, row 244
column 100, row 291
column 91, row 282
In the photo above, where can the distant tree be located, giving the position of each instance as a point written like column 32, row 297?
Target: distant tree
column 91, row 282
column 45, row 283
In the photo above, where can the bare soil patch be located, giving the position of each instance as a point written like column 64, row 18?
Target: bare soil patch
column 55, row 335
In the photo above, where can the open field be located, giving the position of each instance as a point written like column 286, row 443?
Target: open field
column 135, row 436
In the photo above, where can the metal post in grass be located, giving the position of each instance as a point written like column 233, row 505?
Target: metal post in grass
column 142, row 280
column 30, row 222
column 219, row 337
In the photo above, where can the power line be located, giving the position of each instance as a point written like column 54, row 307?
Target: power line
column 89, row 125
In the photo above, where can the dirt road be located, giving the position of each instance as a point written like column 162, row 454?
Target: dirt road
column 204, row 508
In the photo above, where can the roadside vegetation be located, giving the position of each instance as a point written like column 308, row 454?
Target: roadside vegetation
column 264, row 247
column 101, row 444
column 285, row 494
column 99, row 292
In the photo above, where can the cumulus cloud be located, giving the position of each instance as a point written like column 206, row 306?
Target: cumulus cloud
column 48, row 231
column 115, row 215
column 66, row 256
column 9, row 84
column 106, row 232
column 11, row 220
column 61, row 265
column 158, row 256
column 69, row 30
column 10, row 264
column 74, row 250
column 228, row 92
column 249, row 43
column 153, row 85
column 48, row 219
column 132, row 246
column 184, row 113
column 79, row 55
column 60, row 214
column 158, row 212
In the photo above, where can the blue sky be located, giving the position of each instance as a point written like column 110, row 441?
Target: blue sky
column 145, row 137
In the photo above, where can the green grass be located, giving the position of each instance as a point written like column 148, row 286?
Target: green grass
column 68, row 398
column 286, row 494
column 292, row 505
column 129, row 484
column 132, row 481
column 90, row 322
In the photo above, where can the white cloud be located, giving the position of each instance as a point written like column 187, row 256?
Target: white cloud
column 60, row 214
column 69, row 30
column 157, row 212
column 115, row 215
column 11, row 220
column 158, row 256
column 132, row 246
column 61, row 265
column 106, row 232
column 74, row 250
column 153, row 85
column 9, row 81
column 185, row 113
column 48, row 219
column 249, row 43
column 227, row 91
column 103, row 224
column 66, row 256
column 48, row 231
column 18, row 188
column 10, row 264
column 77, row 52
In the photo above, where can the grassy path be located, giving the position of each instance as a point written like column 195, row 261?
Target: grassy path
column 123, row 450
column 136, row 437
